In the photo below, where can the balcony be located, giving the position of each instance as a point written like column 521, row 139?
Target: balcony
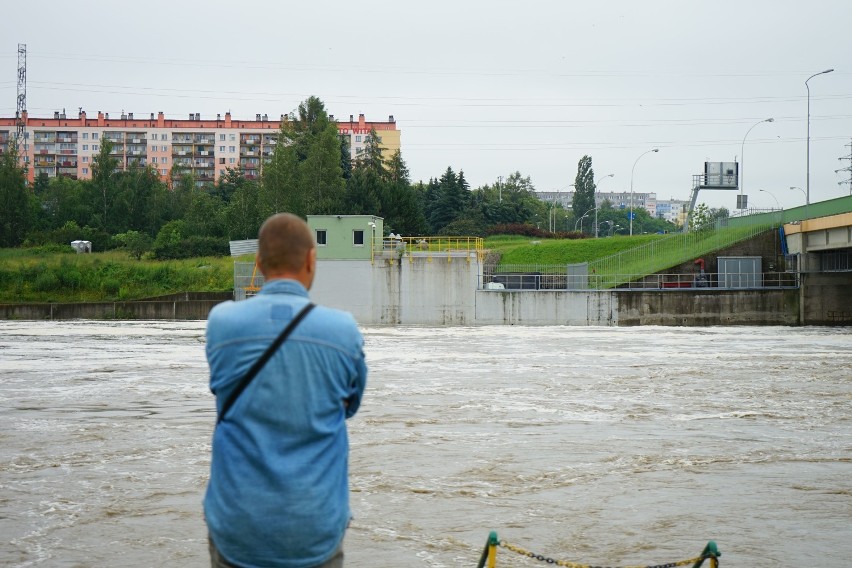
column 67, row 140
column 68, row 163
column 249, row 139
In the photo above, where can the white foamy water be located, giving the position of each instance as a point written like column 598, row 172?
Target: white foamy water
column 596, row 445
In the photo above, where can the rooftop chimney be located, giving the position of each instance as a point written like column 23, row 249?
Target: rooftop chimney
column 257, row 117
column 56, row 115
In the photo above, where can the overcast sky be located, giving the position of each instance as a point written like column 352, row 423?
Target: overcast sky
column 487, row 87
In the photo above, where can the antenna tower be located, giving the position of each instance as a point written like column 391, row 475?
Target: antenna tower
column 849, row 169
column 21, row 125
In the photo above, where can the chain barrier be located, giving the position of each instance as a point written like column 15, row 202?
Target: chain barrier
column 566, row 564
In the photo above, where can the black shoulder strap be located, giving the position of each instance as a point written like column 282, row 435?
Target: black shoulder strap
column 258, row 365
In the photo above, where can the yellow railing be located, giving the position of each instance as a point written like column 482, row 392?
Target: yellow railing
column 428, row 247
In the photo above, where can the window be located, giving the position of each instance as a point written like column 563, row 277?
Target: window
column 221, row 160
column 153, row 137
column 357, row 139
column 232, row 137
column 321, row 238
column 221, row 137
column 164, row 136
column 85, row 136
column 232, row 149
column 85, row 171
column 94, row 135
column 165, row 148
column 221, row 148
column 26, row 135
column 154, row 159
column 164, row 172
column 221, row 172
column 85, row 146
column 85, row 159
column 232, row 160
column 358, row 237
column 94, row 147
column 165, row 159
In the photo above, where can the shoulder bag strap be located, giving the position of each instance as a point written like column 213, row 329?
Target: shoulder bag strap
column 258, row 365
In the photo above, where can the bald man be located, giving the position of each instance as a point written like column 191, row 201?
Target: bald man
column 278, row 494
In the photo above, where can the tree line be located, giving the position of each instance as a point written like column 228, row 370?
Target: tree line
column 310, row 172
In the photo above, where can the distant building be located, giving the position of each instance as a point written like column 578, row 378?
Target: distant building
column 672, row 210
column 618, row 199
column 62, row 146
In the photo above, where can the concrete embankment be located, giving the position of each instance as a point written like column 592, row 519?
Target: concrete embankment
column 184, row 306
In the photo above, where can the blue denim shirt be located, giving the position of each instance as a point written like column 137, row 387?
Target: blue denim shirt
column 278, row 493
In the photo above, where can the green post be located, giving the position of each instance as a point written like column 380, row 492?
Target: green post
column 492, row 541
column 710, row 551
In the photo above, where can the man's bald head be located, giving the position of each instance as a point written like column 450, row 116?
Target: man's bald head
column 285, row 247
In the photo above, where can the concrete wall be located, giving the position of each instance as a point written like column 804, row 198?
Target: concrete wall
column 722, row 307
column 154, row 310
column 414, row 290
column 556, row 307
column 827, row 298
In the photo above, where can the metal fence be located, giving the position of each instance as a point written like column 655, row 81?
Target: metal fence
column 497, row 280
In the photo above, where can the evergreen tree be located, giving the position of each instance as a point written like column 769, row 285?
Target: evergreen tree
column 451, row 200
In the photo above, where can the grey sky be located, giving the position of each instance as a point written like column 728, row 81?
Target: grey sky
column 489, row 87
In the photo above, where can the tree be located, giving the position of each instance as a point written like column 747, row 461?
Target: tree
column 584, row 188
column 305, row 175
column 135, row 243
column 104, row 167
column 14, row 200
column 452, row 197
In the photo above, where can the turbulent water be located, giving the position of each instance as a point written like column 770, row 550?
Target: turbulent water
column 604, row 446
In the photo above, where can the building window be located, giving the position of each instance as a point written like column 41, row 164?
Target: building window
column 221, row 160
column 94, row 147
column 357, row 139
column 85, row 171
column 165, row 148
column 164, row 136
column 221, row 137
column 85, row 159
column 221, row 172
column 232, row 137
column 164, row 172
column 232, row 149
column 154, row 159
column 153, row 137
column 321, row 238
column 358, row 237
column 85, row 146
column 85, row 136
column 232, row 160
column 165, row 159
column 94, row 135
column 221, row 148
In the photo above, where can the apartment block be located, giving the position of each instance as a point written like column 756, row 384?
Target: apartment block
column 205, row 148
column 618, row 199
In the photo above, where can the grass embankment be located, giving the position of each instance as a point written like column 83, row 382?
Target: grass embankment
column 33, row 275
column 527, row 250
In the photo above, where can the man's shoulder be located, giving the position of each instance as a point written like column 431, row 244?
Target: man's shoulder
column 335, row 322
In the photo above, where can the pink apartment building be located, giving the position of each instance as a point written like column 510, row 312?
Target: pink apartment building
column 62, row 146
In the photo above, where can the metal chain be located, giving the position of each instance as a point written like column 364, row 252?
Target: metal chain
column 567, row 564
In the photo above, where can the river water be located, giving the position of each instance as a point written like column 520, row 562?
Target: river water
column 594, row 445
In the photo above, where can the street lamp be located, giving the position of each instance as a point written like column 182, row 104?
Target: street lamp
column 742, row 158
column 583, row 216
column 595, row 199
column 808, row 179
column 631, row 186
column 778, row 203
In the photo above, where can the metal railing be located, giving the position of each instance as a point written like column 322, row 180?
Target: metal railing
column 499, row 280
column 429, row 247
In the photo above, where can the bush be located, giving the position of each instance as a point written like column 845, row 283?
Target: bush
column 191, row 247
column 528, row 230
column 46, row 282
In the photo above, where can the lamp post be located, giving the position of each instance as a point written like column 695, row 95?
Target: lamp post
column 807, row 207
column 742, row 158
column 583, row 216
column 808, row 178
column 595, row 199
column 631, row 185
column 778, row 203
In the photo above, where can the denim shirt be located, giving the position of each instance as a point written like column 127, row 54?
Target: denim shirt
column 278, row 493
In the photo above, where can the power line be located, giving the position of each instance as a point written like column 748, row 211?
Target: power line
column 847, row 169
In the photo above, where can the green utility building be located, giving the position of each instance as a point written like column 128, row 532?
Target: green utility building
column 346, row 237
